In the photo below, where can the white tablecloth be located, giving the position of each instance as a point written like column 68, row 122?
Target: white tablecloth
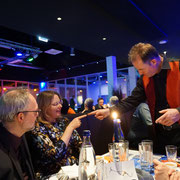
column 72, row 171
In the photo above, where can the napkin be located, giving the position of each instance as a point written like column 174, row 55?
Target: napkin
column 126, row 171
column 71, row 171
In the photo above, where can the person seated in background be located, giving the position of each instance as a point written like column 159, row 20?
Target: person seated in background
column 88, row 105
column 114, row 100
column 54, row 142
column 141, row 124
column 72, row 102
column 163, row 172
column 18, row 113
column 66, row 109
column 100, row 102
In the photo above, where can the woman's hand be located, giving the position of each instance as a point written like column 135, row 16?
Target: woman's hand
column 76, row 122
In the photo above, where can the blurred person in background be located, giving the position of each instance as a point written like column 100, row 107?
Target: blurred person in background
column 66, row 109
column 88, row 105
column 141, row 125
column 72, row 102
column 100, row 104
column 54, row 142
column 114, row 100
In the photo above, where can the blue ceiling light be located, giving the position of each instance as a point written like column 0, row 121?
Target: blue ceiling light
column 100, row 76
column 163, row 41
column 94, row 82
column 19, row 54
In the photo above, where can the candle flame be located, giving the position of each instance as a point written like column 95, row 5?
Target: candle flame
column 114, row 115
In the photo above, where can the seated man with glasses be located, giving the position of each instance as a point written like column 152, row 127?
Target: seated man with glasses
column 18, row 113
column 54, row 142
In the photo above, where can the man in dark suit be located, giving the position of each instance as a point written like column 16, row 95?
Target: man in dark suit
column 18, row 112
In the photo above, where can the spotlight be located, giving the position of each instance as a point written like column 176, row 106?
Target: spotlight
column 29, row 59
column 19, row 54
column 164, row 41
column 42, row 39
column 59, row 18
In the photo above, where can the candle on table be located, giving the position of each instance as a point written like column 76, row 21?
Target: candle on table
column 118, row 134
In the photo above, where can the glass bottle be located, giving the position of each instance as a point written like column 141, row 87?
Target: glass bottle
column 87, row 159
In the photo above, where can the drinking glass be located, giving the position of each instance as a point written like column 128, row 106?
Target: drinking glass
column 146, row 155
column 100, row 168
column 110, row 148
column 121, row 150
column 171, row 152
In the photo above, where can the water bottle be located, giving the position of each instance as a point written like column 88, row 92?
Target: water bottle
column 87, row 159
column 118, row 133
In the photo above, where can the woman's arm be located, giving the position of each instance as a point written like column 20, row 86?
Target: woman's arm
column 75, row 123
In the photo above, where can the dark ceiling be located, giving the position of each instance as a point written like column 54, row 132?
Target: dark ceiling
column 83, row 26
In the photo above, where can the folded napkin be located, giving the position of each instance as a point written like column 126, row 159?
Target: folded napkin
column 71, row 171
column 120, row 171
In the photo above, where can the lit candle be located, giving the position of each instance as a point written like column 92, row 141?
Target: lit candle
column 114, row 115
column 118, row 134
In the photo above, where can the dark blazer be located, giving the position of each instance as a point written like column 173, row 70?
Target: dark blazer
column 97, row 106
column 10, row 168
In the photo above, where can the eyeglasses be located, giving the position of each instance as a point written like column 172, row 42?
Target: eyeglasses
column 36, row 111
column 57, row 103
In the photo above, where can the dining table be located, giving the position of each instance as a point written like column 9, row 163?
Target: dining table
column 71, row 172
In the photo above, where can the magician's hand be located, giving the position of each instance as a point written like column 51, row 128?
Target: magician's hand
column 169, row 117
column 100, row 114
